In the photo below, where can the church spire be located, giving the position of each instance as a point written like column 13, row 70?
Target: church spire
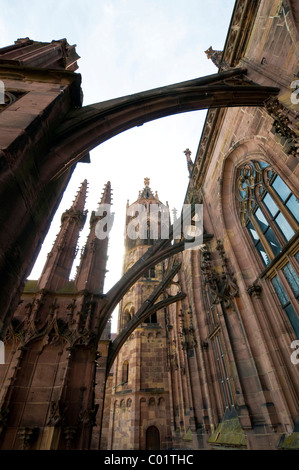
column 107, row 194
column 79, row 202
column 59, row 263
column 147, row 224
column 92, row 269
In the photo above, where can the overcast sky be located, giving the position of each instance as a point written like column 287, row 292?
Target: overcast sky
column 128, row 46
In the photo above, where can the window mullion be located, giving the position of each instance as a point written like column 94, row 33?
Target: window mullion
column 262, row 237
column 272, row 224
column 294, row 263
column 288, row 290
column 283, row 209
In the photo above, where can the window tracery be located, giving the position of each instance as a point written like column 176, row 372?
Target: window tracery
column 270, row 213
column 268, row 208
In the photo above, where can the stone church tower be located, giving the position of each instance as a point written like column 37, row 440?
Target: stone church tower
column 48, row 380
column 139, row 413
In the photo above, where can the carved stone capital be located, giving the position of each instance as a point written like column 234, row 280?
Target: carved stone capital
column 254, row 291
column 285, row 124
column 27, row 435
column 69, row 434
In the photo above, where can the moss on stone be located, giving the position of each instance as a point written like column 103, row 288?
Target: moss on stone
column 31, row 286
column 230, row 433
column 188, row 435
column 290, row 442
column 69, row 288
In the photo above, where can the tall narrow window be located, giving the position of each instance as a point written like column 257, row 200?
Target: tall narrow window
column 268, row 209
column 270, row 212
column 286, row 303
column 125, row 372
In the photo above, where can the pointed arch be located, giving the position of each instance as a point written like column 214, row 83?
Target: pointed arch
column 152, row 438
column 89, row 126
column 262, row 201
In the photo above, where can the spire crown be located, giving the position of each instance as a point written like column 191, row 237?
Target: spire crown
column 80, row 198
column 146, row 192
column 77, row 208
column 107, row 194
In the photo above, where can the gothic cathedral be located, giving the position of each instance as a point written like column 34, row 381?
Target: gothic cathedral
column 206, row 354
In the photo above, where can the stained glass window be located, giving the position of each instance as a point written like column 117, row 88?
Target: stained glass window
column 284, row 226
column 270, row 213
column 292, row 278
column 286, row 304
column 280, row 291
column 281, row 188
column 266, row 203
column 293, row 206
column 286, row 196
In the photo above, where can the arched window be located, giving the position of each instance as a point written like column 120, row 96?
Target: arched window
column 268, row 209
column 128, row 314
column 152, row 438
column 270, row 212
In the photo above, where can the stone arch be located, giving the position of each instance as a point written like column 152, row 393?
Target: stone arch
column 122, row 405
column 128, row 312
column 153, row 438
column 116, row 404
column 161, row 401
column 152, row 401
column 143, row 408
column 161, row 407
column 127, row 316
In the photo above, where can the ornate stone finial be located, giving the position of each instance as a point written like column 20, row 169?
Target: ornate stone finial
column 69, row 434
column 146, row 181
column 216, row 57
column 190, row 163
column 27, row 435
column 254, row 290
